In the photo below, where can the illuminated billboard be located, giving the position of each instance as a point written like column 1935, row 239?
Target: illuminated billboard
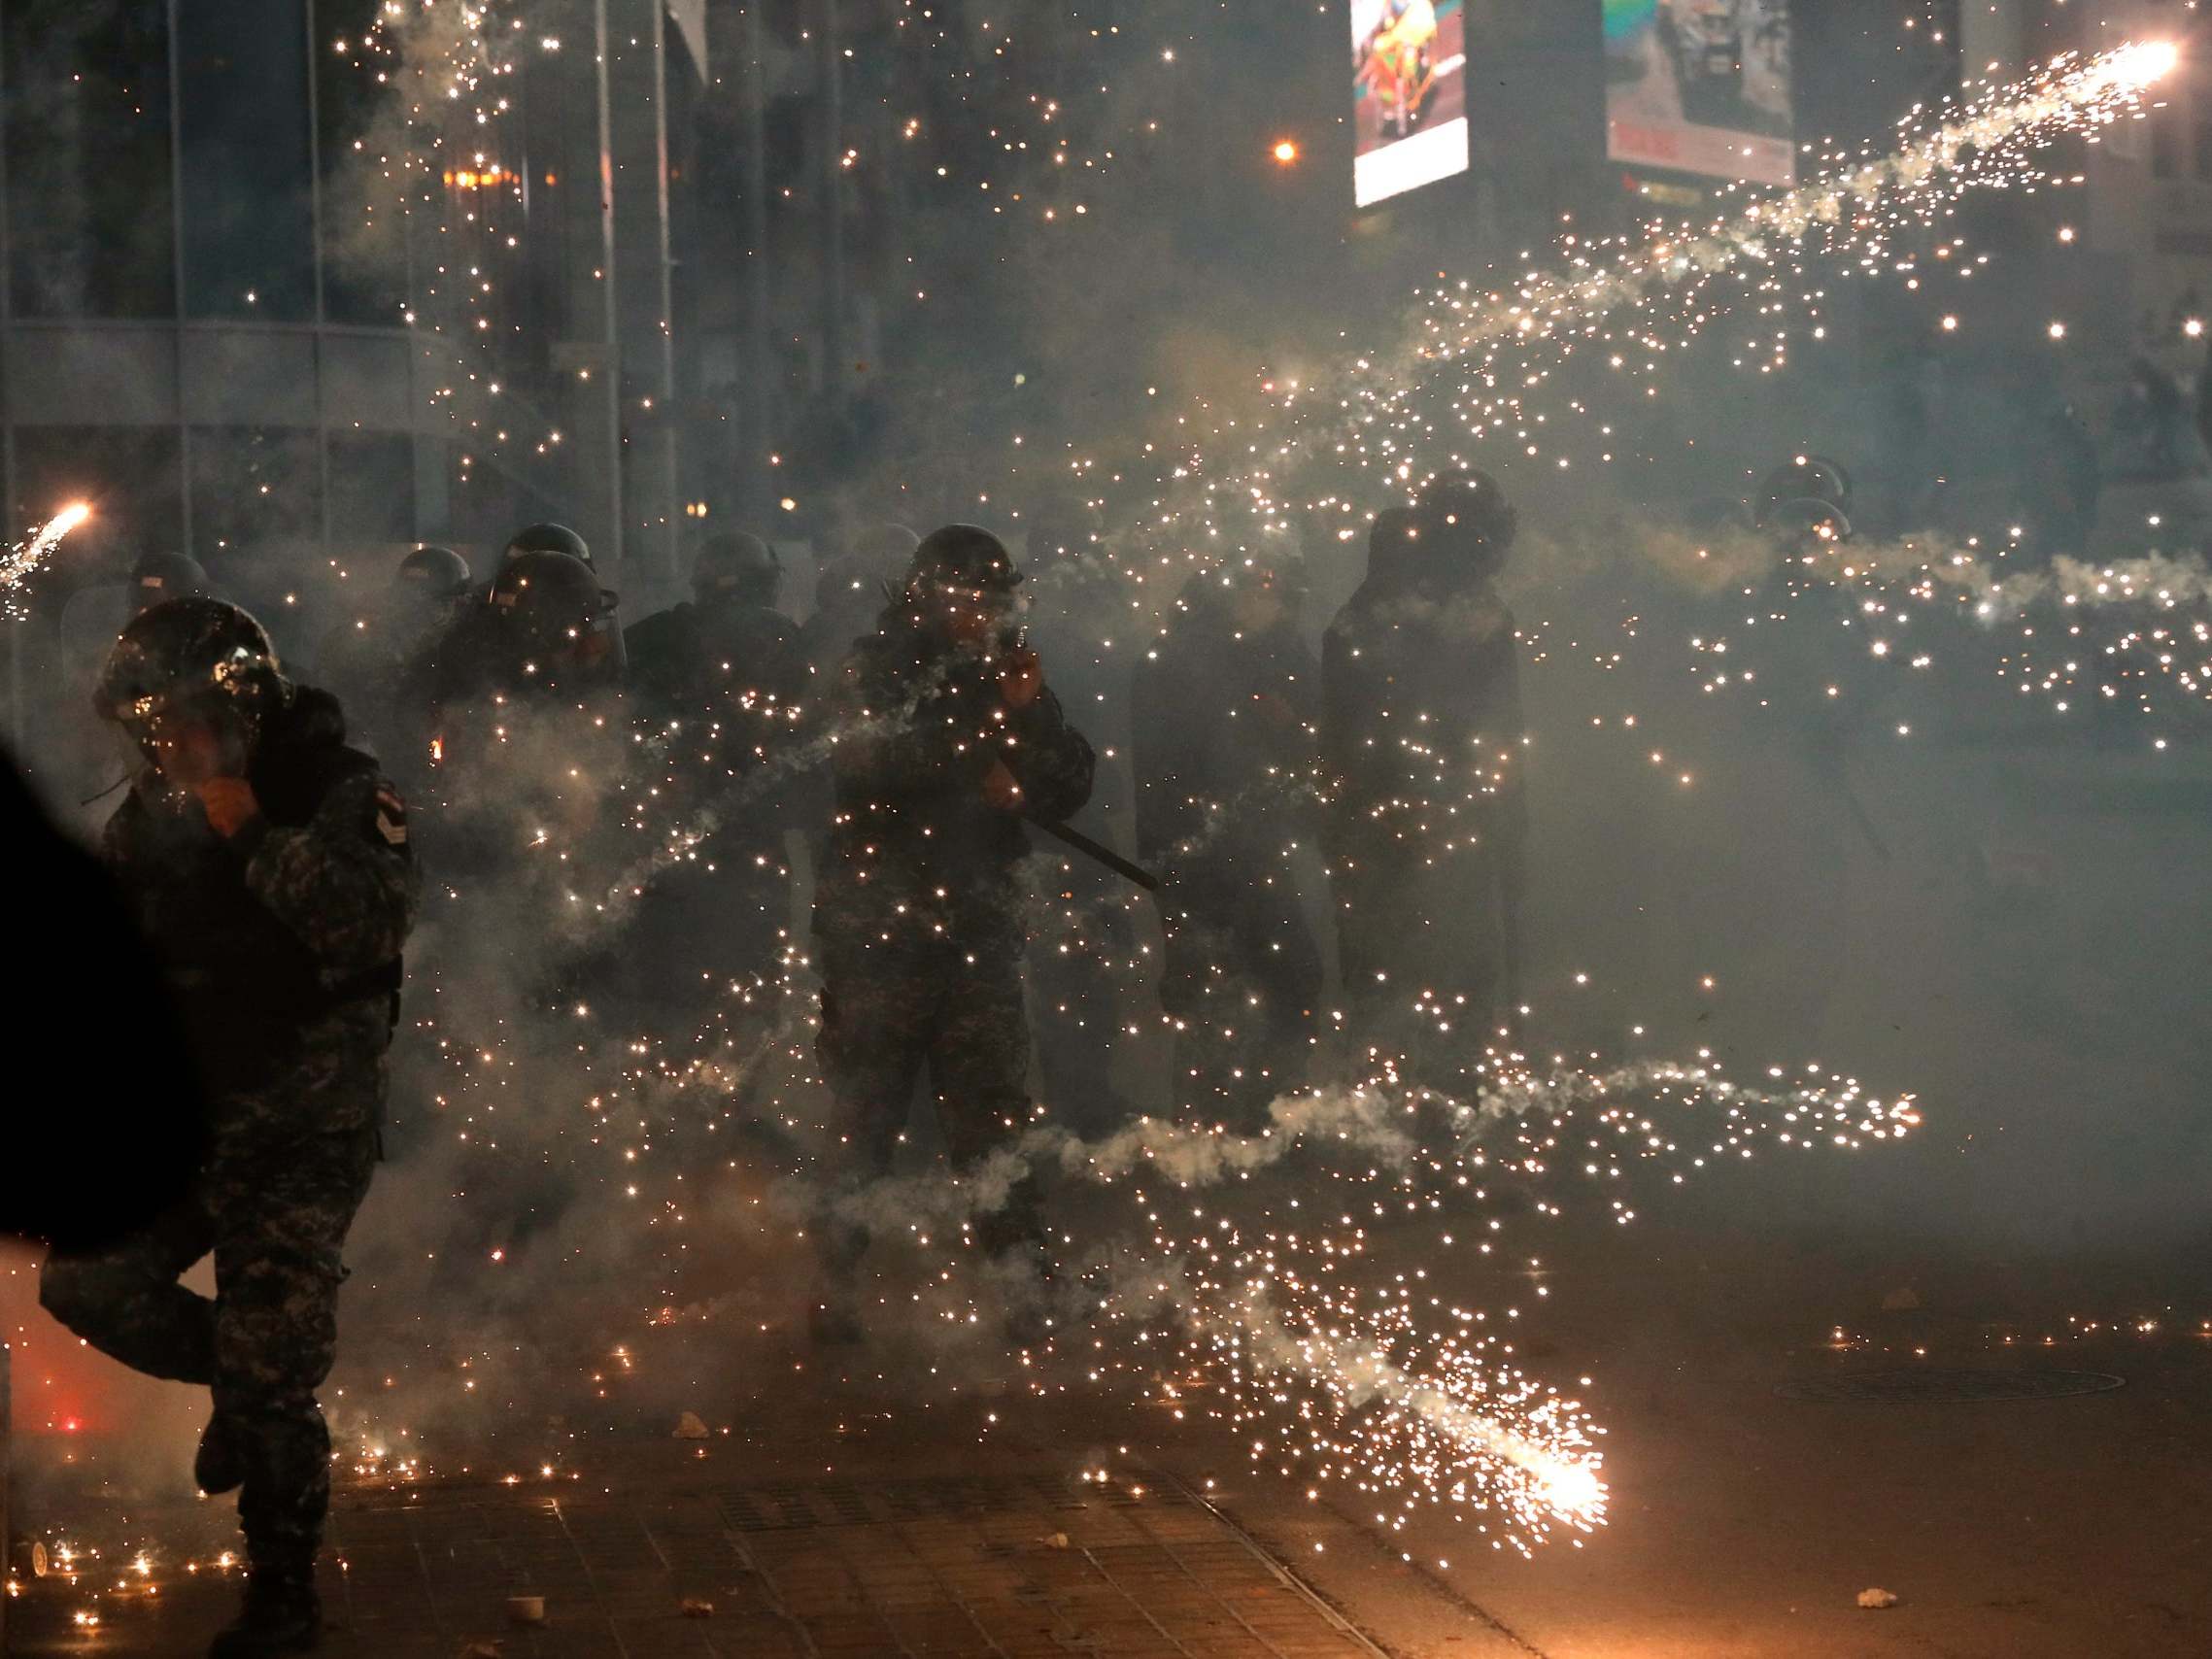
column 1409, row 94
column 1701, row 86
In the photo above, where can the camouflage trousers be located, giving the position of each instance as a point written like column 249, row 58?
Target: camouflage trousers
column 888, row 1016
column 276, row 1223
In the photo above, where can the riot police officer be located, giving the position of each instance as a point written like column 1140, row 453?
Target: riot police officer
column 950, row 738
column 269, row 865
column 364, row 658
column 728, row 642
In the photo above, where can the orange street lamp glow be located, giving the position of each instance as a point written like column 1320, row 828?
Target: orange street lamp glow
column 1286, row 151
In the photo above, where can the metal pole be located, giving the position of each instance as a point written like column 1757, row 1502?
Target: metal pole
column 756, row 370
column 177, row 271
column 833, row 186
column 322, row 316
column 610, row 331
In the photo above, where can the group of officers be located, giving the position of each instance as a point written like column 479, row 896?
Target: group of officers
column 924, row 727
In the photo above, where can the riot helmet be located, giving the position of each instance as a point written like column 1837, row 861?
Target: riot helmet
column 432, row 574
column 560, row 623
column 194, row 679
column 736, row 564
column 548, row 539
column 160, row 577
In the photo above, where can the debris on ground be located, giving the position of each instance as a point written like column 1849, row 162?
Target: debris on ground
column 689, row 1427
column 1875, row 1599
column 698, row 1607
column 525, row 1609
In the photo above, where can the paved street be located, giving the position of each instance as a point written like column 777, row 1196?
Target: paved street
column 1765, row 1472
column 677, row 1563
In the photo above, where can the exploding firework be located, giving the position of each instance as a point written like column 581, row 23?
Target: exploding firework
column 26, row 555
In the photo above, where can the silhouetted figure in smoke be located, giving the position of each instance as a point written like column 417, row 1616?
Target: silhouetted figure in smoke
column 270, row 866
column 1083, row 947
column 2064, row 482
column 720, row 681
column 1223, row 743
column 850, row 588
column 473, row 654
column 2151, row 426
column 114, row 1150
column 364, row 658
column 951, row 739
column 521, row 726
column 727, row 643
column 1422, row 736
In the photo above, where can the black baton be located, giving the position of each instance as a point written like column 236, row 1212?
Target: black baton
column 1106, row 856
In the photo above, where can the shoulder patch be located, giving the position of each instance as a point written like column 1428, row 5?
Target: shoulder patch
column 390, row 816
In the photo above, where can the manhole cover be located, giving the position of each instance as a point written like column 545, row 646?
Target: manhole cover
column 1928, row 1387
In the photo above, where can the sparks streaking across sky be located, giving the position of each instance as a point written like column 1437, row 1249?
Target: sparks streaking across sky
column 1477, row 363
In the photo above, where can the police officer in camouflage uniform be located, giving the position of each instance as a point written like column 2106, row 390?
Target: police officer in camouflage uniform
column 949, row 737
column 269, row 865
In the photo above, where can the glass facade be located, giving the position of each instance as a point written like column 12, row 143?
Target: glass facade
column 244, row 161
column 359, row 129
column 90, row 230
column 213, row 168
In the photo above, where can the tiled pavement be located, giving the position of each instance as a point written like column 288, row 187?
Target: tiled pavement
column 1001, row 1566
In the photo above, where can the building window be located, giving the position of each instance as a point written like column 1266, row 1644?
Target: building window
column 363, row 134
column 86, row 130
column 242, row 125
column 372, row 488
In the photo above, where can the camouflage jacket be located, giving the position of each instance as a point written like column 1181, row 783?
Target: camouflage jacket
column 917, row 850
column 282, row 942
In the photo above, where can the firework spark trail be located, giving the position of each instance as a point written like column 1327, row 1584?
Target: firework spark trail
column 1403, row 1420
column 1852, row 211
column 1386, row 1124
column 25, row 557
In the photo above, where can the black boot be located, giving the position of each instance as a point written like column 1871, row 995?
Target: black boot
column 220, row 1466
column 282, row 1615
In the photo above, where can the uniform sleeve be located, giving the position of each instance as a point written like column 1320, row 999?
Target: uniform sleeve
column 344, row 882
column 1052, row 762
column 890, row 746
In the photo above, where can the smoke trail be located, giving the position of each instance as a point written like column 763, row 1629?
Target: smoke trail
column 1396, row 1127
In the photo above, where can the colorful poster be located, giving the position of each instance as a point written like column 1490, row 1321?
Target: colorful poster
column 1408, row 96
column 1701, row 86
